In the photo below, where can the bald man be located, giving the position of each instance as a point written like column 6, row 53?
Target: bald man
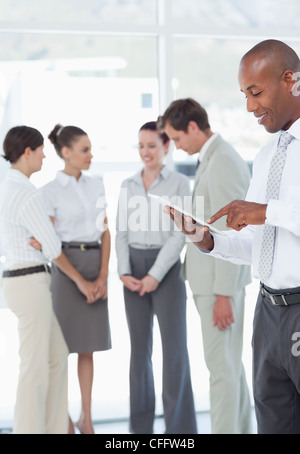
column 268, row 76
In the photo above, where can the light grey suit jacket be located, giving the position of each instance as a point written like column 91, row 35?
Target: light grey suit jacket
column 222, row 177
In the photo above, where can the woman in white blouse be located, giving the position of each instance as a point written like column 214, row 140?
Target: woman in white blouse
column 41, row 402
column 148, row 252
column 76, row 205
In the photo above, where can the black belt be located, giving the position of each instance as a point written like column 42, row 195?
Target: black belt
column 82, row 246
column 24, row 271
column 281, row 299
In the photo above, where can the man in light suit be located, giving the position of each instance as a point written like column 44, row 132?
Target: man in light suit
column 218, row 286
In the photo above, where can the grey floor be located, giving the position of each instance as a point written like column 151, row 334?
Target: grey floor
column 121, row 426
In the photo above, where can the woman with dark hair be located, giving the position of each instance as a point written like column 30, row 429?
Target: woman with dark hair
column 148, row 252
column 41, row 402
column 76, row 205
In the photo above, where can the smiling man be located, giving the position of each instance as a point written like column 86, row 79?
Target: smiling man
column 266, row 76
column 266, row 234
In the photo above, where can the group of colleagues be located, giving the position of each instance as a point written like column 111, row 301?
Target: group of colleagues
column 63, row 309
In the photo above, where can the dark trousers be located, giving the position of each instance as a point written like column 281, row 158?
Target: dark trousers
column 168, row 303
column 276, row 367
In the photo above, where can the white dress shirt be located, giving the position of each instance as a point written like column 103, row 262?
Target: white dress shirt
column 23, row 215
column 142, row 224
column 78, row 206
column 244, row 246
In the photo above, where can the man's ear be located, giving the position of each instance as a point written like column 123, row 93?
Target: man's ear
column 289, row 77
column 192, row 126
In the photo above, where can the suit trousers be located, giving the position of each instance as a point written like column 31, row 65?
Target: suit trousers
column 276, row 367
column 42, row 402
column 229, row 395
column 168, row 303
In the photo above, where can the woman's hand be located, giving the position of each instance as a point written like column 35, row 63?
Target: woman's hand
column 88, row 289
column 34, row 243
column 100, row 287
column 131, row 283
column 148, row 284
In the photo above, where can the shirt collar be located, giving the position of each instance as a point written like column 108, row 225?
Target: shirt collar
column 16, row 175
column 65, row 179
column 295, row 129
column 164, row 173
column 205, row 147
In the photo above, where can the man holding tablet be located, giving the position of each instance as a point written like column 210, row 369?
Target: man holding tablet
column 265, row 233
column 218, row 286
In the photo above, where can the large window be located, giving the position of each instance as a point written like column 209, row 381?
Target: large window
column 108, row 66
column 97, row 13
column 257, row 18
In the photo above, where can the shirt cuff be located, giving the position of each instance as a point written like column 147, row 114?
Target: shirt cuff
column 124, row 269
column 157, row 273
column 53, row 254
column 221, row 244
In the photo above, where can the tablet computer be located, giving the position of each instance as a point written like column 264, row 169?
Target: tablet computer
column 198, row 221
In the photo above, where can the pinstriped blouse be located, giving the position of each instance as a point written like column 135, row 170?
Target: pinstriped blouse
column 23, row 215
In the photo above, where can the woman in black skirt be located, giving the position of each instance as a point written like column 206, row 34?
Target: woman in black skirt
column 76, row 205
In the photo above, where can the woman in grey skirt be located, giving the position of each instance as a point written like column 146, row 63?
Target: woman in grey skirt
column 148, row 252
column 76, row 204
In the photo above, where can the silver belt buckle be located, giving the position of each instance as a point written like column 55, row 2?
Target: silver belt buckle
column 284, row 300
column 273, row 300
column 82, row 247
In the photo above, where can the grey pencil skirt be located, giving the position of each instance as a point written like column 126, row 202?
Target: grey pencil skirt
column 85, row 326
